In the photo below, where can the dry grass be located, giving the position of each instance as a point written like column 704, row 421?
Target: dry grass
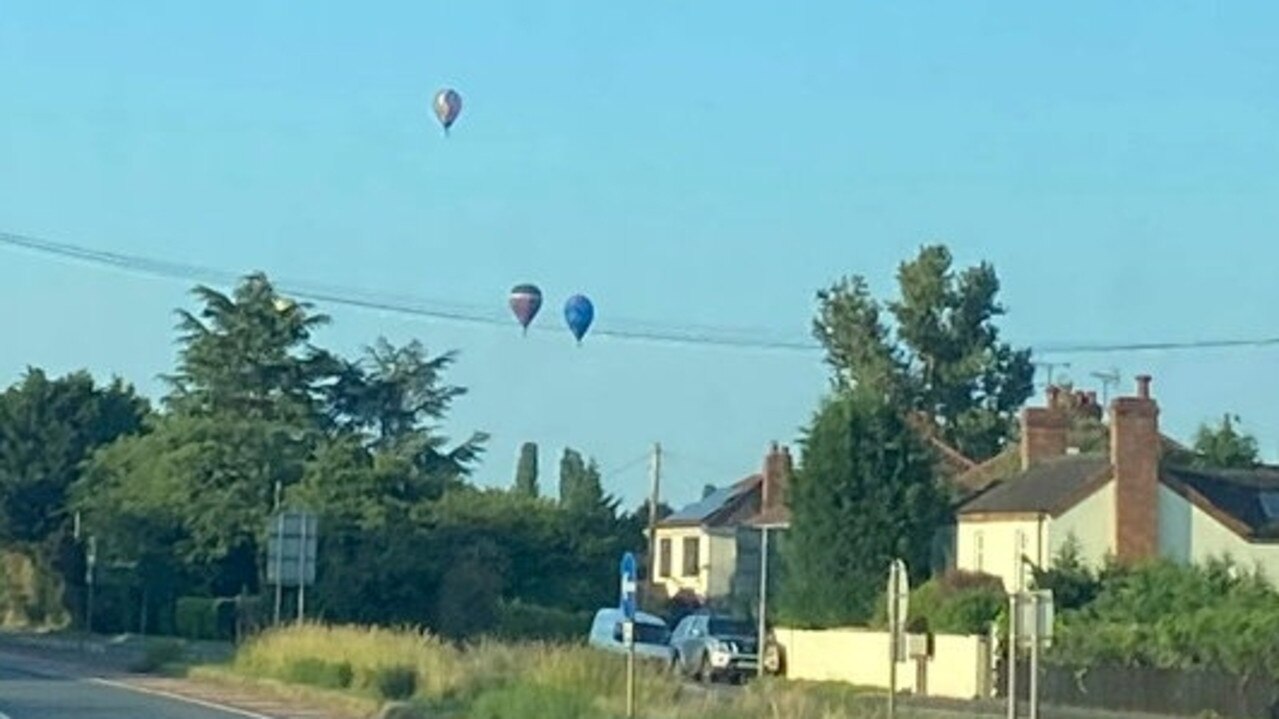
column 532, row 681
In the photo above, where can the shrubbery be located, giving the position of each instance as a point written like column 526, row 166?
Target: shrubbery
column 1167, row 615
column 957, row 602
column 517, row 621
column 205, row 618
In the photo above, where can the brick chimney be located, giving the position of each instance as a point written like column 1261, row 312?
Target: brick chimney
column 777, row 470
column 1043, row 430
column 1134, row 457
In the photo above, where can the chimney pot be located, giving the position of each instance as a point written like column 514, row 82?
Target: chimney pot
column 1143, row 386
column 1053, row 392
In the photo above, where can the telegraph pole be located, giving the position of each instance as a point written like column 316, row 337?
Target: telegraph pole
column 652, row 513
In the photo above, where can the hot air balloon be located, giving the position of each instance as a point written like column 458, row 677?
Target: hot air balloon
column 525, row 301
column 448, row 105
column 579, row 313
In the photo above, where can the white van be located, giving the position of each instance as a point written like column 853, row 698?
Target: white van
column 652, row 636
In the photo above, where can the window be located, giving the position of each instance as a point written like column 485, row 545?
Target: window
column 664, row 559
column 692, row 563
column 979, row 550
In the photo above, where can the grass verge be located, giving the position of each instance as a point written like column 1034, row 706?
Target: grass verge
column 420, row 676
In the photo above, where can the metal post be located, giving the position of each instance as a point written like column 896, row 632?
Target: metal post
column 763, row 601
column 892, row 641
column 279, row 566
column 302, row 556
column 630, row 671
column 652, row 513
column 1034, row 656
column 1012, row 656
column 90, row 571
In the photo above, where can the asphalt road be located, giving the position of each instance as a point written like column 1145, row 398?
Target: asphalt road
column 25, row 694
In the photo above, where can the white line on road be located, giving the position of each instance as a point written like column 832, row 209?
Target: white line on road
column 178, row 697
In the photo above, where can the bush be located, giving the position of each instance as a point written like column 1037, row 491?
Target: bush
column 319, row 673
column 205, row 618
column 957, row 602
column 395, row 682
column 1171, row 616
column 517, row 621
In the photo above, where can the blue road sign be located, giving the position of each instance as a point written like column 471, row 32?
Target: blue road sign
column 629, row 572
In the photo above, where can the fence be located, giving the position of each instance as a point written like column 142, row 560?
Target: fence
column 957, row 666
column 1177, row 692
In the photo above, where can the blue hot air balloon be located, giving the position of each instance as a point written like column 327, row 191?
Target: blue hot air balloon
column 579, row 313
column 448, row 105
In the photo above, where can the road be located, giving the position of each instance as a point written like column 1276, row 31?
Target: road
column 27, row 694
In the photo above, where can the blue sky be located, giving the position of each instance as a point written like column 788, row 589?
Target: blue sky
column 706, row 163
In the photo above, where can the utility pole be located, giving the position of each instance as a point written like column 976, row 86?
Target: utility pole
column 653, row 500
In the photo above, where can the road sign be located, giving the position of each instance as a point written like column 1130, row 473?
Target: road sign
column 1035, row 617
column 899, row 606
column 629, row 571
column 291, row 548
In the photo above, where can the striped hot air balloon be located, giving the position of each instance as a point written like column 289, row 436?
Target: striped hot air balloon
column 525, row 301
column 448, row 105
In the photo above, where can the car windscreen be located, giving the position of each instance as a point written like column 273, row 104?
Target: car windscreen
column 730, row 627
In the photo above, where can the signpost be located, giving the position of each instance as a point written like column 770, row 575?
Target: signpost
column 627, row 603
column 1031, row 626
column 898, row 607
column 291, row 551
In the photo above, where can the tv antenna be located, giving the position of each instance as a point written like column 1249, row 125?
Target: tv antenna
column 1108, row 379
column 1049, row 367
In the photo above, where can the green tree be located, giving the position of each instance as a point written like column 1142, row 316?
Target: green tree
column 580, row 488
column 247, row 407
column 863, row 495
column 945, row 357
column 1224, row 447
column 205, row 484
column 48, row 427
column 526, row 470
column 249, row 354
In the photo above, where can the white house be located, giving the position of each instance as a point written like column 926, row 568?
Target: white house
column 1131, row 502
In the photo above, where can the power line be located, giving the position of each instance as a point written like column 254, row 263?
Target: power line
column 742, row 338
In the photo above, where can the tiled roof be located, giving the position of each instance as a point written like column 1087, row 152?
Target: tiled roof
column 1051, row 486
column 1249, row 497
column 716, row 507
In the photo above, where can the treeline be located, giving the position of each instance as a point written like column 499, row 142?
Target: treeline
column 175, row 498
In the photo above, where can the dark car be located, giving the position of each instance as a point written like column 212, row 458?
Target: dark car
column 707, row 647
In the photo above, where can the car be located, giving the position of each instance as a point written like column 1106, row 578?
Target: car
column 652, row 636
column 707, row 647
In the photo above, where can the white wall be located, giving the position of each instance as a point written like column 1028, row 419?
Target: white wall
column 677, row 581
column 994, row 547
column 1189, row 534
column 957, row 669
column 1092, row 522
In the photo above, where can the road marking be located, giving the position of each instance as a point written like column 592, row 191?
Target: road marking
column 178, row 697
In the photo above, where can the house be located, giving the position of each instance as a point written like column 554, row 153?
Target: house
column 1131, row 498
column 698, row 546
